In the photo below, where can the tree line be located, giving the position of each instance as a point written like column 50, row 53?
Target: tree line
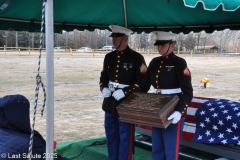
column 225, row 41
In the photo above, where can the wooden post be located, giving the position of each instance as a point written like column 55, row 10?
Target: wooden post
column 71, row 52
column 204, row 52
column 28, row 49
column 191, row 52
column 19, row 54
column 4, row 49
column 205, row 85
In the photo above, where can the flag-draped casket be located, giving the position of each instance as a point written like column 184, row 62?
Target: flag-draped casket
column 211, row 121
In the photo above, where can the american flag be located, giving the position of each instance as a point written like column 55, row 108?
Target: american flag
column 192, row 125
column 218, row 122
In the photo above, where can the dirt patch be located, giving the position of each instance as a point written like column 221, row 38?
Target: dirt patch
column 77, row 99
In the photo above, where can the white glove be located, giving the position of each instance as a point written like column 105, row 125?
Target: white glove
column 118, row 94
column 106, row 92
column 175, row 116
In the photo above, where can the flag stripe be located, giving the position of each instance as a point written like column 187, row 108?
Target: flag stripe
column 187, row 136
column 189, row 127
column 190, row 119
column 191, row 111
column 188, row 131
column 200, row 99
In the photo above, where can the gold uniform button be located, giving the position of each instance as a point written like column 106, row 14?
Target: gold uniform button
column 157, row 87
column 133, row 88
column 156, row 81
column 116, row 81
column 160, row 66
column 158, row 71
column 118, row 61
column 182, row 112
column 125, row 92
column 185, row 108
column 116, row 70
column 116, row 75
column 117, row 66
column 156, row 75
column 161, row 61
column 118, row 56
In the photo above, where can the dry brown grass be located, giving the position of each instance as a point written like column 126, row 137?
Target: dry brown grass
column 77, row 99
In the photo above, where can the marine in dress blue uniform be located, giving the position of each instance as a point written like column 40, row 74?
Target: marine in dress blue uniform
column 168, row 74
column 122, row 73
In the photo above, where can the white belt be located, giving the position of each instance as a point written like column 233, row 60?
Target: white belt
column 167, row 91
column 118, row 85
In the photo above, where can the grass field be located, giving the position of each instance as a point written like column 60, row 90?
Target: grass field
column 77, row 99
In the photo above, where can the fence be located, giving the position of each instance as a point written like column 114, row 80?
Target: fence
column 27, row 51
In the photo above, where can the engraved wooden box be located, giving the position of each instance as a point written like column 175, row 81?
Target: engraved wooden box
column 148, row 109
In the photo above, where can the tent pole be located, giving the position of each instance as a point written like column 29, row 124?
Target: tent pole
column 49, row 78
column 125, row 13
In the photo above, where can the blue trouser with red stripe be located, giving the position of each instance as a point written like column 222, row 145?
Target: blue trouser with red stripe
column 120, row 138
column 166, row 142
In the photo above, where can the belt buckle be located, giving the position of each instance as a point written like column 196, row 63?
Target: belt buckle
column 158, row 91
column 116, row 85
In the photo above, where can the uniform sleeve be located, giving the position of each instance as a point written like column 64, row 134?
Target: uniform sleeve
column 140, row 71
column 184, row 79
column 146, row 83
column 104, row 79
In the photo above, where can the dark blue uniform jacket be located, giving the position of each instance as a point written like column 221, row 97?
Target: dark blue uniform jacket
column 170, row 72
column 127, row 67
column 15, row 130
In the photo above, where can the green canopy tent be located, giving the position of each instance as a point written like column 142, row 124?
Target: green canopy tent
column 139, row 15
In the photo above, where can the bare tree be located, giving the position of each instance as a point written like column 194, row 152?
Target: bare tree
column 198, row 35
column 226, row 40
column 1, row 38
column 189, row 42
column 179, row 41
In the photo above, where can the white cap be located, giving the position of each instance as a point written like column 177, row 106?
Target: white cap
column 118, row 31
column 160, row 35
column 164, row 37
